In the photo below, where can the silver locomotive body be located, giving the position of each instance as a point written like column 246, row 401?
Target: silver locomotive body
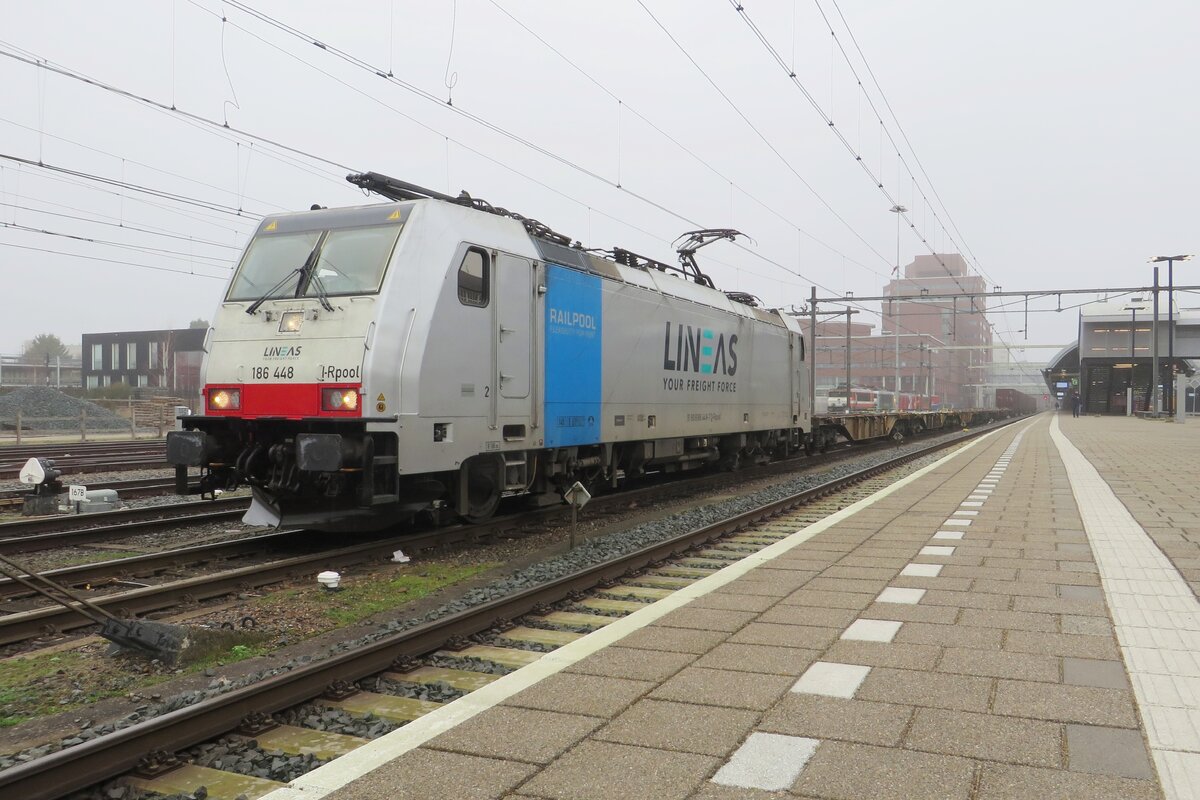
column 429, row 355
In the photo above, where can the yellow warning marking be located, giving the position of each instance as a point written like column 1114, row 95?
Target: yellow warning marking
column 381, row 398
column 272, row 225
column 395, row 214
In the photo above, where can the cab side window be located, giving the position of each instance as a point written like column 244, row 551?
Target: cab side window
column 474, row 278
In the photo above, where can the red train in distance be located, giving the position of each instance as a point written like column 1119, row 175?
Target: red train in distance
column 1014, row 400
column 863, row 399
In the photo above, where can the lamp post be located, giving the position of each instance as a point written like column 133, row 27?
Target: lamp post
column 1156, row 405
column 898, row 210
column 1169, row 401
column 1133, row 309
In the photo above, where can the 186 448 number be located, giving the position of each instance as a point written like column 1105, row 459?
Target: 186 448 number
column 264, row 373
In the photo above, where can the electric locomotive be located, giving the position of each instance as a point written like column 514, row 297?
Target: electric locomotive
column 437, row 354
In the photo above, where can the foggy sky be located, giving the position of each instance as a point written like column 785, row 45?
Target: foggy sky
column 1061, row 137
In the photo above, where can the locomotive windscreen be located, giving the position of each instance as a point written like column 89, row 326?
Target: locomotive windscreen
column 330, row 253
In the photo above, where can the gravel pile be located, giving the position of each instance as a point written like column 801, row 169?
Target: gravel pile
column 587, row 554
column 37, row 402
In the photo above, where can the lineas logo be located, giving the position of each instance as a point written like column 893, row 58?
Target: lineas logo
column 688, row 349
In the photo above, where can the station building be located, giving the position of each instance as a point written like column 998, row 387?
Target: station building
column 1114, row 353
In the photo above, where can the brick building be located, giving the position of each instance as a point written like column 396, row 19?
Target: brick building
column 943, row 344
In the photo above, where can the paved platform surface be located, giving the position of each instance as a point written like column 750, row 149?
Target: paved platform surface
column 953, row 638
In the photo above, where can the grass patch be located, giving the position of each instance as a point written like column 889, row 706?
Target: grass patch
column 42, row 685
column 38, row 686
column 46, row 684
column 358, row 600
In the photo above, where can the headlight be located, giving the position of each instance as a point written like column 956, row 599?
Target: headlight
column 225, row 400
column 339, row 399
column 291, row 321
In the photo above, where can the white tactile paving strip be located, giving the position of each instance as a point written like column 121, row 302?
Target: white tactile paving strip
column 872, row 630
column 922, row 570
column 894, row 594
column 768, row 761
column 1157, row 619
column 831, row 679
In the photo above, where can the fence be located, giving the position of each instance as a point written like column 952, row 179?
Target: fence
column 139, row 417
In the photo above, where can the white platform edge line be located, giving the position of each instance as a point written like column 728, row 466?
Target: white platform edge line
column 365, row 759
column 1103, row 513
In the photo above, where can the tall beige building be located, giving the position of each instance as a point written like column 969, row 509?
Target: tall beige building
column 944, row 343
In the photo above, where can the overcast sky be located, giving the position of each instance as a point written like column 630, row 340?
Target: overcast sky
column 1060, row 139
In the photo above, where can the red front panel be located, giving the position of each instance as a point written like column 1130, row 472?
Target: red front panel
column 292, row 400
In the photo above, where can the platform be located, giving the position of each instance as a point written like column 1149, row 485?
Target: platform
column 950, row 637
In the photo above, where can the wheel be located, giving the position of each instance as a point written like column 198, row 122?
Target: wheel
column 483, row 489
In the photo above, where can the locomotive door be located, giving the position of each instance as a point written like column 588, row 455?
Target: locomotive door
column 514, row 334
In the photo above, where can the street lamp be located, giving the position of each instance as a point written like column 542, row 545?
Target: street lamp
column 1170, row 381
column 1133, row 344
column 899, row 211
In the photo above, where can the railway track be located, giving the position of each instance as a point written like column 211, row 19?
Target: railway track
column 98, row 577
column 138, row 487
column 593, row 596
column 86, row 457
column 101, row 577
column 48, row 533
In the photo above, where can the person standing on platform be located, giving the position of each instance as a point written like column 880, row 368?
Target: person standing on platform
column 1076, row 404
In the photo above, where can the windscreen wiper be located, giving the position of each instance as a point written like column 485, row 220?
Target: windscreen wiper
column 301, row 271
column 322, row 292
column 271, row 292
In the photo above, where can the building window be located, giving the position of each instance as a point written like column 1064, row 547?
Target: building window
column 115, row 348
column 473, row 278
column 108, row 380
column 143, row 380
column 131, row 355
column 92, row 380
column 97, row 357
column 154, row 354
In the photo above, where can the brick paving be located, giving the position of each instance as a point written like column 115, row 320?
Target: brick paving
column 1156, row 480
column 1003, row 680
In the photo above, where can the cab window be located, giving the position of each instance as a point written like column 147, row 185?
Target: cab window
column 473, row 278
